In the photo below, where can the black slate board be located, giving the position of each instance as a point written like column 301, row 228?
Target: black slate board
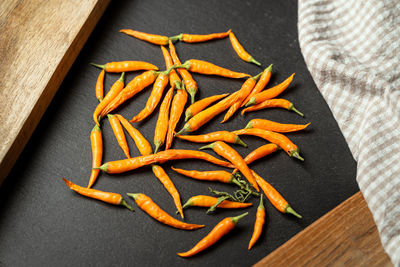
column 43, row 223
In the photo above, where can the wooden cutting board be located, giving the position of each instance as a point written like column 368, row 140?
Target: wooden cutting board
column 39, row 42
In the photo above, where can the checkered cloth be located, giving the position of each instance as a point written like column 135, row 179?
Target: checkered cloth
column 352, row 49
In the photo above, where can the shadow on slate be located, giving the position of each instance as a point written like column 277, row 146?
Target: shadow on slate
column 42, row 222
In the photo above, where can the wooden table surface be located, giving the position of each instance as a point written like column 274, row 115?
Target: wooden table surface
column 35, row 59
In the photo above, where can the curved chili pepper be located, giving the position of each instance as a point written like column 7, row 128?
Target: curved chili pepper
column 240, row 50
column 100, row 86
column 197, row 38
column 151, row 38
column 225, row 136
column 261, row 152
column 125, row 66
column 96, row 141
column 274, row 197
column 259, row 223
column 190, row 83
column 207, row 68
column 174, row 79
column 108, row 197
column 246, row 88
column 162, row 122
column 291, row 149
column 216, row 176
column 125, row 165
column 273, row 103
column 119, row 134
column 221, row 229
column 230, row 154
column 262, row 82
column 208, row 201
column 114, row 91
column 274, row 126
column 270, row 93
column 198, row 106
column 152, row 209
column 177, row 108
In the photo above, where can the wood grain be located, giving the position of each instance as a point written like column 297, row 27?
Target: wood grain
column 346, row 236
column 39, row 41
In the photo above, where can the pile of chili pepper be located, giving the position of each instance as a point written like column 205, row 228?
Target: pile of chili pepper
column 252, row 95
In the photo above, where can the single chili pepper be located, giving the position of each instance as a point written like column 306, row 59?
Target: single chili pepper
column 208, row 201
column 125, row 165
column 291, row 149
column 240, row 50
column 246, row 88
column 207, row 68
column 151, row 38
column 230, row 154
column 174, row 79
column 125, row 66
column 198, row 106
column 152, row 209
column 100, row 86
column 132, row 88
column 270, row 93
column 273, row 103
column 206, row 115
column 198, row 38
column 190, row 83
column 108, row 197
column 162, row 122
column 258, row 225
column 221, row 229
column 218, row 176
column 262, row 82
column 274, row 126
column 177, row 108
column 96, row 141
column 119, row 134
column 155, row 97
column 114, row 91
column 225, row 136
column 273, row 195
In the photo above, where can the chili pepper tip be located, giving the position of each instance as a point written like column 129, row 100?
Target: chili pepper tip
column 289, row 209
column 237, row 218
column 252, row 60
column 291, row 107
column 208, row 146
column 123, row 203
column 98, row 66
column 134, row 196
column 252, row 101
column 240, row 142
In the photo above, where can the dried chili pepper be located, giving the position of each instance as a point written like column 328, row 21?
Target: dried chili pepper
column 96, row 141
column 240, row 50
column 225, row 136
column 273, row 103
column 275, row 126
column 125, row 66
column 207, row 68
column 197, row 38
column 259, row 223
column 198, row 106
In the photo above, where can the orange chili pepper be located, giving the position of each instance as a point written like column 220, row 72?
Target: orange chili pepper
column 240, row 50
column 270, row 93
column 125, row 66
column 273, row 103
column 114, row 91
column 96, row 141
column 291, row 149
column 100, row 86
column 108, row 197
column 274, row 126
column 119, row 134
column 273, row 195
column 190, row 83
column 197, row 38
column 207, row 68
column 258, row 225
column 225, row 136
column 217, row 176
column 246, row 88
column 174, row 79
column 155, row 96
column 198, row 106
column 177, row 108
column 125, row 165
column 230, row 154
column 152, row 209
column 162, row 122
column 264, row 79
column 151, row 38
column 221, row 229
column 260, row 152
column 208, row 201
column 206, row 115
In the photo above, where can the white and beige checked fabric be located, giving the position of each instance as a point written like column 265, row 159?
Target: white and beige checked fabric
column 352, row 49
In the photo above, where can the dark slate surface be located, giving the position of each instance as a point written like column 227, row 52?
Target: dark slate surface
column 44, row 223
